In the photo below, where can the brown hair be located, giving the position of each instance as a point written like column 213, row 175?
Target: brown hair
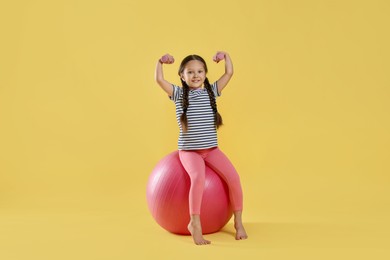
column 185, row 102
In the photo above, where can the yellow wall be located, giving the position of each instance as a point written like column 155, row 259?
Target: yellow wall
column 82, row 122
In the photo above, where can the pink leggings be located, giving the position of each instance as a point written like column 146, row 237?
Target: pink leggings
column 194, row 162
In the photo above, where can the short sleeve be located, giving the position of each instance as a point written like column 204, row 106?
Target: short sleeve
column 175, row 93
column 214, row 87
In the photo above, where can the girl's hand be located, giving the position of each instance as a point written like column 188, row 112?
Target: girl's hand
column 167, row 59
column 219, row 56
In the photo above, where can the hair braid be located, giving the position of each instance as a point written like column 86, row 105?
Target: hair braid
column 217, row 117
column 185, row 104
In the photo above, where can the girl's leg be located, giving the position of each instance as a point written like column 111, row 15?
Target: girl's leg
column 240, row 230
column 219, row 162
column 194, row 164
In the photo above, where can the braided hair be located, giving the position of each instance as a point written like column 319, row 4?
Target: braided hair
column 185, row 102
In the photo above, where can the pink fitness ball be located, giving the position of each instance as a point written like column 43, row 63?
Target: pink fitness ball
column 167, row 197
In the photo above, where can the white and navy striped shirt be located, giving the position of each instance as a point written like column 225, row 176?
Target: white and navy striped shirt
column 201, row 132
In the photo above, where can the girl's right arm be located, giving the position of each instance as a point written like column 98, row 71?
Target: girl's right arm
column 159, row 75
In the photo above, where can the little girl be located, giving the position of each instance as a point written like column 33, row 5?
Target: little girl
column 198, row 119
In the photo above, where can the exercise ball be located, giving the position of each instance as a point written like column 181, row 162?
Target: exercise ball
column 167, row 196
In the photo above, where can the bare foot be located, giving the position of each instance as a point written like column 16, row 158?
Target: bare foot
column 240, row 231
column 196, row 232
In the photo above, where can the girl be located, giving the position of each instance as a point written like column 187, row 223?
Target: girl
column 198, row 119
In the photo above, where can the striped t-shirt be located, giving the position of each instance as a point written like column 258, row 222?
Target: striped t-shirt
column 201, row 132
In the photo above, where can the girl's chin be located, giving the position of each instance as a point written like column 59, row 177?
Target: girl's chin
column 195, row 86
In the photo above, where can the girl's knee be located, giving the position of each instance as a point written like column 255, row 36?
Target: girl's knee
column 197, row 177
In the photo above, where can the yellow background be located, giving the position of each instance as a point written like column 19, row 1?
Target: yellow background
column 82, row 125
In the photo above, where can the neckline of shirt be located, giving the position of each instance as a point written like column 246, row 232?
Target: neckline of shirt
column 197, row 90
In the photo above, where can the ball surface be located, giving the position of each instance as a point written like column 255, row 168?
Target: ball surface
column 167, row 196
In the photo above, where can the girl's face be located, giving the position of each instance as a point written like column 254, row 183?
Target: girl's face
column 194, row 74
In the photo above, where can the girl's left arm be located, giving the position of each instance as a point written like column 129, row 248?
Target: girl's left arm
column 225, row 78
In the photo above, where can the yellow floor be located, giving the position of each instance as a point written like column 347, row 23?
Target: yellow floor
column 123, row 233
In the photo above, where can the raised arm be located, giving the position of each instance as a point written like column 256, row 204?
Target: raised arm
column 223, row 81
column 159, row 74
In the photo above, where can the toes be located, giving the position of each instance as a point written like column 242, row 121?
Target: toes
column 241, row 237
column 205, row 242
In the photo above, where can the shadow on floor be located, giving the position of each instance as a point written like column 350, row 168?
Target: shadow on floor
column 307, row 235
